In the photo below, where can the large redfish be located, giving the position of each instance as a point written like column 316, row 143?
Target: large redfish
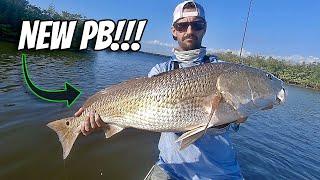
column 186, row 100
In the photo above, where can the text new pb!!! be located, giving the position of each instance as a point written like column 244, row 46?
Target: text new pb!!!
column 123, row 35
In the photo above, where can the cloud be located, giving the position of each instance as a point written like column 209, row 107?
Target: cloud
column 245, row 53
column 299, row 59
column 158, row 47
column 157, row 42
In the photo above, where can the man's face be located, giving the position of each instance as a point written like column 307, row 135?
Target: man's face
column 189, row 36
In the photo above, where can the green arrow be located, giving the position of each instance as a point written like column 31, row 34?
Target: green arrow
column 69, row 94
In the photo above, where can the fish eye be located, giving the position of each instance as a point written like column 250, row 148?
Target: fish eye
column 269, row 76
column 67, row 123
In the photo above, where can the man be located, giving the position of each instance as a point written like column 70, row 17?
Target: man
column 210, row 157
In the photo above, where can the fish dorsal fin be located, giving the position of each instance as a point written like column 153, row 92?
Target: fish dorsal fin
column 112, row 129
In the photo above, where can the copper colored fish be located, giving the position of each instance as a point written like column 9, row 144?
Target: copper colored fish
column 188, row 100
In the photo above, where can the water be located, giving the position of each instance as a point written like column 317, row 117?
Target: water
column 281, row 143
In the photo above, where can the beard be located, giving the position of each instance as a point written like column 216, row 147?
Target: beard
column 186, row 44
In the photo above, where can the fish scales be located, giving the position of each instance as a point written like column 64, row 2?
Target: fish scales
column 159, row 103
column 186, row 100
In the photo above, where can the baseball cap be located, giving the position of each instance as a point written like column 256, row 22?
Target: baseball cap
column 178, row 12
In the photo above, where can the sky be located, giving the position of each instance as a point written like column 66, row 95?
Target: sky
column 281, row 28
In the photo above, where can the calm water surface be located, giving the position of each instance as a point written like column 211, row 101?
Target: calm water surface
column 282, row 143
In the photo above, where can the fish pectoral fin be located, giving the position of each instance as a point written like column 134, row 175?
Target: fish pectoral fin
column 191, row 136
column 211, row 104
column 112, row 129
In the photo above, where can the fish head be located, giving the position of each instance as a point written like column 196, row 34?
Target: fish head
column 250, row 89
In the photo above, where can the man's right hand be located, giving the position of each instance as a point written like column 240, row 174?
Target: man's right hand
column 92, row 122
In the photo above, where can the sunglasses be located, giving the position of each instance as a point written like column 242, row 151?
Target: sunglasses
column 195, row 25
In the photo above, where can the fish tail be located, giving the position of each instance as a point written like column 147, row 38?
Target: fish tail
column 67, row 134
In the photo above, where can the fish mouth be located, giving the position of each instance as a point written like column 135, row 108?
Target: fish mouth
column 268, row 107
column 281, row 96
column 280, row 99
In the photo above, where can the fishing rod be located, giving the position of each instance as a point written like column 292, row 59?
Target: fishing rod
column 237, row 125
column 245, row 31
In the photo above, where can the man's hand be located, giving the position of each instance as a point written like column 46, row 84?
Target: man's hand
column 92, row 122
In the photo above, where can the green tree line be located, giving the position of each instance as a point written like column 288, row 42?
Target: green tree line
column 13, row 12
column 306, row 75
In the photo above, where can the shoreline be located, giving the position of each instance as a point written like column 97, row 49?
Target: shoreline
column 154, row 54
column 287, row 82
column 301, row 86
